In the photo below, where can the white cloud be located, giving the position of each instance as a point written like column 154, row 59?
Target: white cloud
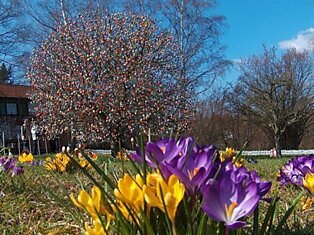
column 303, row 40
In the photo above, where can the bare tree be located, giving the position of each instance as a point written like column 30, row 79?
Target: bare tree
column 208, row 119
column 217, row 123
column 30, row 23
column 5, row 73
column 276, row 92
column 10, row 30
column 197, row 31
column 43, row 17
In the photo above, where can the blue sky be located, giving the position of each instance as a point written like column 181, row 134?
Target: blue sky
column 254, row 23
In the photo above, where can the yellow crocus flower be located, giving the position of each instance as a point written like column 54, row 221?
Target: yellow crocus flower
column 122, row 155
column 49, row 164
column 230, row 152
column 150, row 191
column 222, row 156
column 92, row 204
column 238, row 162
column 118, row 156
column 164, row 195
column 308, row 182
column 61, row 161
column 130, row 192
column 307, row 202
column 122, row 208
column 96, row 230
column 62, row 158
column 85, row 163
column 26, row 157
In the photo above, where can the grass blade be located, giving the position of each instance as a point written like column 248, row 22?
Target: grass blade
column 202, row 225
column 269, row 215
column 288, row 213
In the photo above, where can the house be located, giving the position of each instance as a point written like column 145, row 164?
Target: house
column 16, row 110
column 15, row 107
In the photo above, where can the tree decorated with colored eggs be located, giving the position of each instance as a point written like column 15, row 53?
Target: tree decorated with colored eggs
column 109, row 77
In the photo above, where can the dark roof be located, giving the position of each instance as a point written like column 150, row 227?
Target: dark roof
column 14, row 91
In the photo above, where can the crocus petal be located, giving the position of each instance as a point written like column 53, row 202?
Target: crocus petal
column 75, row 202
column 246, row 207
column 212, row 205
column 308, row 182
column 228, row 200
column 235, row 225
column 155, row 152
column 96, row 230
column 263, row 188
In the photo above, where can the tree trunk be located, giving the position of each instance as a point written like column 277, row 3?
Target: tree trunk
column 278, row 144
column 64, row 12
column 114, row 147
column 292, row 136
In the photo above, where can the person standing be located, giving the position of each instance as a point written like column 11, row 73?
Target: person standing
column 34, row 133
column 26, row 134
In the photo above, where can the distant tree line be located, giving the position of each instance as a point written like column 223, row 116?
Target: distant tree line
column 274, row 96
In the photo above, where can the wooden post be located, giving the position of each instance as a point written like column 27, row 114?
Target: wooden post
column 3, row 140
column 29, row 144
column 19, row 144
column 106, row 173
column 38, row 146
column 46, row 145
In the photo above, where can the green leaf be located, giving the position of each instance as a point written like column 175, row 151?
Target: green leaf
column 288, row 213
column 188, row 217
column 122, row 226
column 148, row 227
column 269, row 215
column 255, row 223
column 202, row 225
column 239, row 154
column 97, row 168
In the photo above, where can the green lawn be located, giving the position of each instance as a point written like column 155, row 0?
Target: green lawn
column 37, row 202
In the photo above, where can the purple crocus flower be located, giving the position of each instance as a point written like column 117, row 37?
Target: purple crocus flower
column 17, row 170
column 35, row 163
column 294, row 171
column 7, row 163
column 262, row 186
column 163, row 154
column 195, row 168
column 193, row 165
column 158, row 152
column 245, row 176
column 228, row 201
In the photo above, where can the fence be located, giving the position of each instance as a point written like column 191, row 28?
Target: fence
column 283, row 152
column 108, row 152
column 244, row 153
column 21, row 144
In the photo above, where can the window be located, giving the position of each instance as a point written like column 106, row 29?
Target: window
column 2, row 108
column 22, row 109
column 11, row 109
